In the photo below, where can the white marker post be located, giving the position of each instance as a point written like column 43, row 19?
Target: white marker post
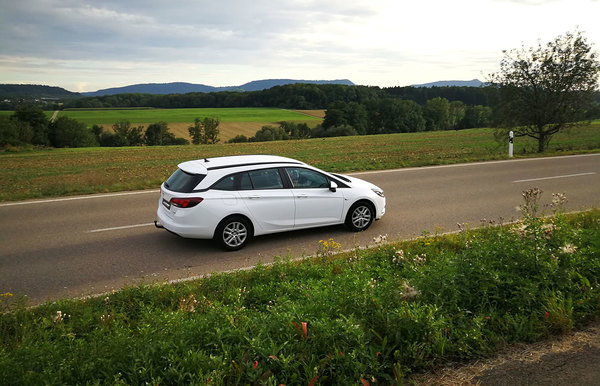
column 511, row 135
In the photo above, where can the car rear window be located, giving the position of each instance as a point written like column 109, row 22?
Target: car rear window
column 183, row 182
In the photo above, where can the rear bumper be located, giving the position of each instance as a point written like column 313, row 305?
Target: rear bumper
column 192, row 232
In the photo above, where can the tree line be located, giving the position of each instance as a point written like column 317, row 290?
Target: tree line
column 301, row 96
column 382, row 116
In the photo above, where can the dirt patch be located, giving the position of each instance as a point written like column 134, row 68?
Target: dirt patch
column 312, row 113
column 570, row 359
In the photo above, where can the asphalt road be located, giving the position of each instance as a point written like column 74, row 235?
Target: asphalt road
column 77, row 246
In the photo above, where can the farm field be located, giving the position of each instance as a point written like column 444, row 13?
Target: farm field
column 58, row 172
column 234, row 121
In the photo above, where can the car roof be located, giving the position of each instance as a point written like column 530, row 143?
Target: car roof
column 202, row 166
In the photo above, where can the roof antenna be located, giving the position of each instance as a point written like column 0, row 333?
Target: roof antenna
column 206, row 160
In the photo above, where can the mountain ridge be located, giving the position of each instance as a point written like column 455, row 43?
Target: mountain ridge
column 452, row 83
column 184, row 87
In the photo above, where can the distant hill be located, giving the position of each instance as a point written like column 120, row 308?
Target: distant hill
column 34, row 91
column 184, row 88
column 452, row 83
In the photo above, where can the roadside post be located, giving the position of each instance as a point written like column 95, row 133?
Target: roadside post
column 511, row 135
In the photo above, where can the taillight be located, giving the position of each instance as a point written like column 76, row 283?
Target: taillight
column 186, row 202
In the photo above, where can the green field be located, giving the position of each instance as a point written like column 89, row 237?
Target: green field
column 110, row 116
column 57, row 172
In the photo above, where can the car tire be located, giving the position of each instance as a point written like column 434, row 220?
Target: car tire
column 360, row 216
column 233, row 233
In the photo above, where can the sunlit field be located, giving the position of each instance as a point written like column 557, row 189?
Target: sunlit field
column 57, row 172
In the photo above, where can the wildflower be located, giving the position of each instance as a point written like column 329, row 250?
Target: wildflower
column 58, row 317
column 558, row 201
column 302, row 331
column 188, row 304
column 548, row 229
column 546, row 314
column 255, row 365
column 569, row 249
column 380, row 239
column 408, row 292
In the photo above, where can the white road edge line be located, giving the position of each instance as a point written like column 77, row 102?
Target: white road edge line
column 482, row 163
column 80, row 197
column 120, row 228
column 554, row 177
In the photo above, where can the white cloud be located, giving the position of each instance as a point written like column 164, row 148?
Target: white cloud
column 74, row 43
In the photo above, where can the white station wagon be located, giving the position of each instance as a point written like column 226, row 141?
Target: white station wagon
column 231, row 199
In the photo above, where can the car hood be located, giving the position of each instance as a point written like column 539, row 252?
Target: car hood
column 357, row 182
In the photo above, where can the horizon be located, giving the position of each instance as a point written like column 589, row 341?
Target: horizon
column 84, row 47
column 243, row 84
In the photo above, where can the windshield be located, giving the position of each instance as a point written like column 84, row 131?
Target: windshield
column 183, row 182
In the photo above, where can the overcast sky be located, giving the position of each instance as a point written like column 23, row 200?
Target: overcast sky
column 90, row 45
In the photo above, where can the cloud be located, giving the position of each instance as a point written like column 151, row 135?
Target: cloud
column 230, row 42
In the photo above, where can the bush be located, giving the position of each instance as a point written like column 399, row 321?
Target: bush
column 335, row 131
column 67, row 132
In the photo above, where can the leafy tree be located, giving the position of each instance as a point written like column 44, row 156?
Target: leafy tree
column 14, row 132
column 35, row 117
column 476, row 116
column 211, row 130
column 394, row 116
column 125, row 135
column 238, row 139
column 196, row 132
column 456, row 114
column 97, row 130
column 437, row 114
column 295, row 130
column 544, row 89
column 205, row 131
column 68, row 132
column 270, row 133
column 347, row 114
column 158, row 134
column 335, row 131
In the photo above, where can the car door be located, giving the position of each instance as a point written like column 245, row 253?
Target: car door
column 316, row 204
column 269, row 201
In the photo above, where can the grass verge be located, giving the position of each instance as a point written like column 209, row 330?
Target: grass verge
column 59, row 172
column 370, row 316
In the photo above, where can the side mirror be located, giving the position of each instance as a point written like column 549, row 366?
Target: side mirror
column 333, row 186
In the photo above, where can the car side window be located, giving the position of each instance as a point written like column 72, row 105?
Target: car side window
column 238, row 181
column 266, row 179
column 307, row 179
column 226, row 183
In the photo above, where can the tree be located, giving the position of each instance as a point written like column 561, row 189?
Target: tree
column 196, row 132
column 124, row 135
column 68, row 132
column 544, row 89
column 211, row 130
column 35, row 117
column 205, row 131
column 437, row 114
column 158, row 134
column 14, row 132
column 457, row 113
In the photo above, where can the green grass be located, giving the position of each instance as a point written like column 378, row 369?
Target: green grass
column 57, row 172
column 373, row 316
column 110, row 116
